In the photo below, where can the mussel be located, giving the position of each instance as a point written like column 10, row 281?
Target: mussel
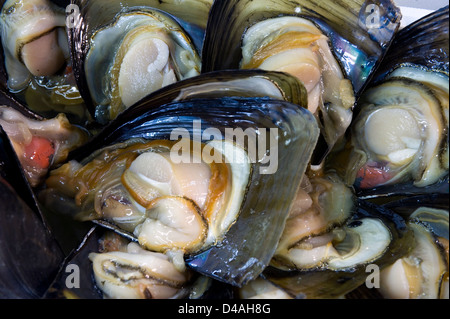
column 228, row 83
column 137, row 273
column 40, row 143
column 25, row 234
column 226, row 149
column 137, row 49
column 400, row 134
column 323, row 203
column 329, row 239
column 104, row 253
column 373, row 237
column 31, row 35
column 330, row 47
column 225, row 208
column 36, row 59
column 423, row 273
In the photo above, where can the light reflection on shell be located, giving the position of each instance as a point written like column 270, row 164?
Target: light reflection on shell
column 241, row 257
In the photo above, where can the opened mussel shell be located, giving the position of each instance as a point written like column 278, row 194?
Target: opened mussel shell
column 398, row 142
column 23, row 24
column 323, row 203
column 227, row 247
column 423, row 272
column 35, row 59
column 40, row 143
column 331, row 48
column 107, row 250
column 424, row 42
column 227, row 83
column 24, row 234
column 135, row 47
column 374, row 237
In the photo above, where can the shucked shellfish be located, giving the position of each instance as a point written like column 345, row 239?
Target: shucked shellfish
column 175, row 203
column 215, row 205
column 296, row 46
column 326, row 46
column 402, row 128
column 34, row 40
column 139, row 51
column 37, row 63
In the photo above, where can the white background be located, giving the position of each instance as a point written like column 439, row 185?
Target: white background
column 415, row 9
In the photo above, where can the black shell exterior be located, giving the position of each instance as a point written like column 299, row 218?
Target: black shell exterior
column 264, row 210
column 326, row 284
column 94, row 14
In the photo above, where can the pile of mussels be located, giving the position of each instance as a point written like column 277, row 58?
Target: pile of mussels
column 223, row 149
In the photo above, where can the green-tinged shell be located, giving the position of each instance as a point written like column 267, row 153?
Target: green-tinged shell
column 102, row 11
column 347, row 23
column 292, row 131
column 327, row 283
column 401, row 130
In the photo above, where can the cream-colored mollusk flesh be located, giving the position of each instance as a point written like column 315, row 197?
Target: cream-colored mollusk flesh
column 187, row 178
column 136, row 274
column 34, row 40
column 166, row 200
column 262, row 289
column 402, row 127
column 137, row 54
column 173, row 206
column 145, row 68
column 360, row 245
column 296, row 46
column 420, row 274
column 194, row 206
column 321, row 203
column 319, row 232
column 40, row 144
